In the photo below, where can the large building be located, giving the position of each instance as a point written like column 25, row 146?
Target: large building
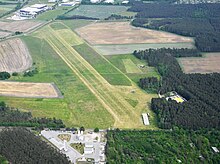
column 33, row 10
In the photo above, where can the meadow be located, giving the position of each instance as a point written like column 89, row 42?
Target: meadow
column 97, row 11
column 79, row 107
column 121, row 62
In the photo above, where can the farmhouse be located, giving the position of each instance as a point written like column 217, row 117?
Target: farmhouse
column 176, row 97
column 145, row 119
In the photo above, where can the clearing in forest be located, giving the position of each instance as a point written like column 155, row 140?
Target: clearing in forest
column 14, row 56
column 207, row 64
column 25, row 89
column 113, row 98
column 124, row 33
column 130, row 66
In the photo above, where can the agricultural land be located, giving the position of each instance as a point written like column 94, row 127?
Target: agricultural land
column 14, row 56
column 124, row 33
column 110, row 38
column 209, row 63
column 97, row 11
column 34, row 90
column 21, row 26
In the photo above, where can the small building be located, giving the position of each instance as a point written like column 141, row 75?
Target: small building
column 215, row 149
column 68, row 4
column 95, row 1
column 109, row 1
column 145, row 119
column 125, row 2
column 39, row 6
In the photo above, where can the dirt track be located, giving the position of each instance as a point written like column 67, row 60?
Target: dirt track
column 14, row 56
column 33, row 90
column 124, row 33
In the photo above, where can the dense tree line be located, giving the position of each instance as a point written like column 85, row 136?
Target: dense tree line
column 115, row 17
column 201, row 90
column 162, row 146
column 149, row 83
column 200, row 21
column 14, row 117
column 20, row 146
column 64, row 17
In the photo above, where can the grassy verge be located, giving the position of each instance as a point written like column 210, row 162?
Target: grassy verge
column 78, row 146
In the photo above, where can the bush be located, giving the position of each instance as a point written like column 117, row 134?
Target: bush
column 14, row 74
column 96, row 130
column 4, row 75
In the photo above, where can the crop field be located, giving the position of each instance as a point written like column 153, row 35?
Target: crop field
column 4, row 34
column 97, row 11
column 125, row 48
column 124, row 33
column 14, row 56
column 130, row 66
column 22, row 26
column 209, row 63
column 34, row 90
column 134, row 63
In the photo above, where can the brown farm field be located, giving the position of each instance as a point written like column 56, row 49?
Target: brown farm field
column 207, row 64
column 124, row 33
column 22, row 26
column 14, row 56
column 4, row 34
column 25, row 89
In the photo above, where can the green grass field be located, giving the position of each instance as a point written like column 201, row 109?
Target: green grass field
column 89, row 100
column 118, row 61
column 130, row 66
column 105, row 68
column 76, row 23
column 97, row 11
column 52, row 14
column 79, row 105
column 6, row 8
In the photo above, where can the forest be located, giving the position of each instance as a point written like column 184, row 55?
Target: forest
column 177, row 146
column 14, row 117
column 20, row 146
column 201, row 110
column 200, row 21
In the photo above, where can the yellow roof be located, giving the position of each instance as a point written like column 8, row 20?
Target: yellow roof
column 178, row 99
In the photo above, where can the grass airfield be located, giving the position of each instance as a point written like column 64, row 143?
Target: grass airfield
column 89, row 98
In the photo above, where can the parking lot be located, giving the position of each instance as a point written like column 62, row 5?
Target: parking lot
column 93, row 144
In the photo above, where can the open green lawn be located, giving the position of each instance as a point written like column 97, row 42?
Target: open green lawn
column 6, row 8
column 52, row 14
column 105, row 68
column 119, row 62
column 76, row 23
column 97, row 11
column 79, row 107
